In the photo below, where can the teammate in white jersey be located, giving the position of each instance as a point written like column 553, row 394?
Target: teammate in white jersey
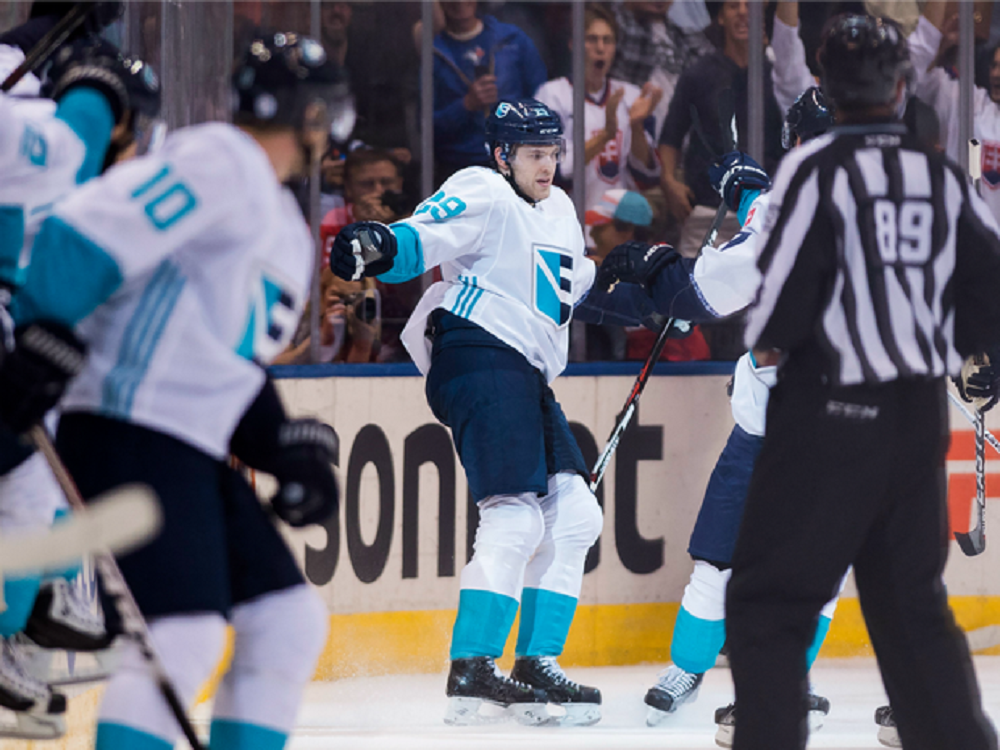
column 490, row 336
column 185, row 271
column 47, row 148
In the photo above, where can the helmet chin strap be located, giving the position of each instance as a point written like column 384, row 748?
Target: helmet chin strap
column 509, row 176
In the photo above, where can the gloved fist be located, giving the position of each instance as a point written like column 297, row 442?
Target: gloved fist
column 307, row 490
column 979, row 381
column 364, row 248
column 633, row 262
column 737, row 171
column 46, row 356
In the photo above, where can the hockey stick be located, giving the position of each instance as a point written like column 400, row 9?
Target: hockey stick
column 974, row 542
column 628, row 410
column 48, row 44
column 119, row 520
column 133, row 623
column 990, row 437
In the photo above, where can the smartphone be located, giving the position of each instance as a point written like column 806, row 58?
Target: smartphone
column 480, row 70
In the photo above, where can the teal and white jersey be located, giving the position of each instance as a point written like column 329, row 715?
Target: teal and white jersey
column 43, row 156
column 513, row 269
column 182, row 270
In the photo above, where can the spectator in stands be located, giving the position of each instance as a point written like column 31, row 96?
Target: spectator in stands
column 652, row 47
column 692, row 200
column 936, row 33
column 619, row 148
column 349, row 331
column 619, row 216
column 477, row 62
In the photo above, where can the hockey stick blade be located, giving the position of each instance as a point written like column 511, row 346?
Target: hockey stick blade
column 119, row 520
column 973, row 543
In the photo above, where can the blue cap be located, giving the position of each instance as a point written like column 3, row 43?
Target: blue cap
column 623, row 205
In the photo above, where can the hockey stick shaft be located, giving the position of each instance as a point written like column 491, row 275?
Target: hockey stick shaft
column 133, row 623
column 48, row 44
column 989, row 436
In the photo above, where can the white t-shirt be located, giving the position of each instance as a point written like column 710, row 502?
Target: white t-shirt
column 514, row 269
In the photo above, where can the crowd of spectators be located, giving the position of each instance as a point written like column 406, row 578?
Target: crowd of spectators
column 663, row 81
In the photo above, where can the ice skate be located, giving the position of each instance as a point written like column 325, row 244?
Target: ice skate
column 887, row 733
column 582, row 704
column 38, row 712
column 473, row 682
column 674, row 687
column 725, row 718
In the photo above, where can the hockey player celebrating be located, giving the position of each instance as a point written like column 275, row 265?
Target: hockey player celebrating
column 490, row 337
column 100, row 101
column 184, row 271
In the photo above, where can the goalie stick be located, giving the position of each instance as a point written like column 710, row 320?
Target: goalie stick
column 133, row 623
column 48, row 44
column 631, row 403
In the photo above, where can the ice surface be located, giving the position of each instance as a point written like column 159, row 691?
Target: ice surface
column 406, row 712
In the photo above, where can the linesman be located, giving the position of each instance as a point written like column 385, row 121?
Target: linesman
column 880, row 272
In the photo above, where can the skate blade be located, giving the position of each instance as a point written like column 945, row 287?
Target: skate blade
column 724, row 735
column 471, row 712
column 655, row 717
column 30, row 726
column 816, row 719
column 529, row 714
column 573, row 714
column 889, row 736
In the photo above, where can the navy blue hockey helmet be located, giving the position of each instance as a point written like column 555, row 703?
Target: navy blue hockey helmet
column 863, row 58
column 281, row 76
column 811, row 115
column 515, row 122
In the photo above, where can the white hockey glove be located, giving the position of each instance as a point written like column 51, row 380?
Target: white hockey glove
column 364, row 248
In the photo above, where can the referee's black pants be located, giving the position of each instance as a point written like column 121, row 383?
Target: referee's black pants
column 850, row 476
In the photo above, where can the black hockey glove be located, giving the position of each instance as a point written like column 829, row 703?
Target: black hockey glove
column 93, row 62
column 307, row 490
column 364, row 248
column 633, row 262
column 733, row 174
column 33, row 377
column 979, row 381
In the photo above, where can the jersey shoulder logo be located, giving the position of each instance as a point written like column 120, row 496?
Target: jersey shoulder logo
column 553, row 283
column 33, row 147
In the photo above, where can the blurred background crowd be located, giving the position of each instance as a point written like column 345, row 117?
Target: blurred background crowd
column 652, row 74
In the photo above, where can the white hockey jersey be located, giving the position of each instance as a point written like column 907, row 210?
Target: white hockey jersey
column 614, row 167
column 751, row 390
column 939, row 90
column 726, row 278
column 182, row 269
column 40, row 160
column 512, row 269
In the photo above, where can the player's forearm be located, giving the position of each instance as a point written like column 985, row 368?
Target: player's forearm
column 409, row 260
column 88, row 114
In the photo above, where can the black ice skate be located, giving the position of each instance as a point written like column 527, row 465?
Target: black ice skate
column 887, row 733
column 38, row 712
column 725, row 718
column 472, row 682
column 582, row 704
column 674, row 687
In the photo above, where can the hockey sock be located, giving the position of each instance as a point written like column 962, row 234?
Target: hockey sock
column 700, row 629
column 510, row 530
column 19, row 595
column 545, row 620
column 553, row 578
column 278, row 638
column 822, row 628
column 133, row 714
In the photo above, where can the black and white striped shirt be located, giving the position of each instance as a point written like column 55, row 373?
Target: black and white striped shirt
column 878, row 260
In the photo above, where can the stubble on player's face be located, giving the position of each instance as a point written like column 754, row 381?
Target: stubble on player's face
column 534, row 170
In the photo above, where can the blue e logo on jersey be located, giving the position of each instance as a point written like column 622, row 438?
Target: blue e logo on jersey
column 553, row 281
column 271, row 321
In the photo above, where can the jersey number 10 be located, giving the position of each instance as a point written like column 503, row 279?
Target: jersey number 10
column 168, row 201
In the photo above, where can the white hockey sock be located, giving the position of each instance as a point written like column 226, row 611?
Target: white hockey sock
column 279, row 637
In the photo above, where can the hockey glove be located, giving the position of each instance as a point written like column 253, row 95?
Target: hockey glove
column 364, row 248
column 307, row 490
column 35, row 374
column 633, row 262
column 979, row 381
column 733, row 174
